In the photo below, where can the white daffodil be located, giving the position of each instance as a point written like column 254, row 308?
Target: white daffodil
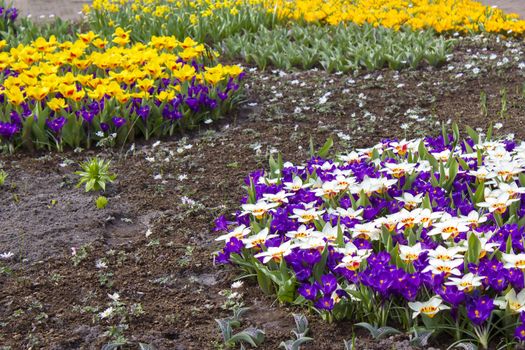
column 449, row 267
column 306, row 215
column 301, row 233
column 411, row 201
column 466, row 282
column 296, row 184
column 429, row 308
column 498, row 204
column 258, row 209
column 447, row 254
column 515, row 302
column 513, row 261
column 239, row 232
column 280, row 197
column 410, row 253
column 449, row 227
column 276, row 253
column 258, row 239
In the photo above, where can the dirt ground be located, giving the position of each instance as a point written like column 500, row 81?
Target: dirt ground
column 153, row 244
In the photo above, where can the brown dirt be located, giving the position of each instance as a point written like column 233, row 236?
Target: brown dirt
column 46, row 302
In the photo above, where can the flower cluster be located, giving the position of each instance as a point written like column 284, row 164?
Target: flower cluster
column 435, row 225
column 74, row 93
column 444, row 16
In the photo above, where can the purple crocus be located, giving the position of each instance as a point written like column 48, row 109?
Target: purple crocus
column 479, row 310
column 118, row 122
column 56, row 124
column 325, row 303
column 308, row 291
column 8, row 130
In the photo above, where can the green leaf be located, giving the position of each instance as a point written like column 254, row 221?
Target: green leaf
column 323, row 152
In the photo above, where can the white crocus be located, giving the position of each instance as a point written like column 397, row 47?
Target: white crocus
column 411, row 201
column 437, row 267
column 498, row 204
column 276, row 253
column 306, row 215
column 280, row 197
column 513, row 261
column 258, row 239
column 449, row 227
column 258, row 209
column 466, row 282
column 347, row 213
column 301, row 233
column 429, row 308
column 296, row 184
column 410, row 253
column 446, row 254
column 239, row 232
column 368, row 231
column 515, row 302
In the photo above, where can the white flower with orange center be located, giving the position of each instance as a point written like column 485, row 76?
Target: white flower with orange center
column 328, row 190
column 446, row 254
column 513, row 261
column 410, row 254
column 301, row 233
column 398, row 170
column 467, row 282
column 280, row 197
column 449, row 267
column 258, row 209
column 239, row 232
column 449, row 227
column 306, row 215
column 276, row 253
column 258, row 239
column 410, row 201
column 371, row 185
column 474, row 219
column 498, row 204
column 429, row 308
column 349, row 213
column 368, row 231
column 516, row 303
column 296, row 184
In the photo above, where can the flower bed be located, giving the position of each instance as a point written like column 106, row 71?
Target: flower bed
column 230, row 17
column 77, row 93
column 411, row 233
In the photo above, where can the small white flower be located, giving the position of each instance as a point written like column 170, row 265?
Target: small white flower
column 237, row 284
column 429, row 308
column 157, row 177
column 99, row 264
column 6, row 255
column 106, row 313
column 148, row 233
column 115, row 296
column 100, row 133
column 182, row 177
column 155, row 144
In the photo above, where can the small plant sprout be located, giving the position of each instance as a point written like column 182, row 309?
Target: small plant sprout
column 3, row 177
column 252, row 336
column 101, row 202
column 300, row 332
column 95, row 174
